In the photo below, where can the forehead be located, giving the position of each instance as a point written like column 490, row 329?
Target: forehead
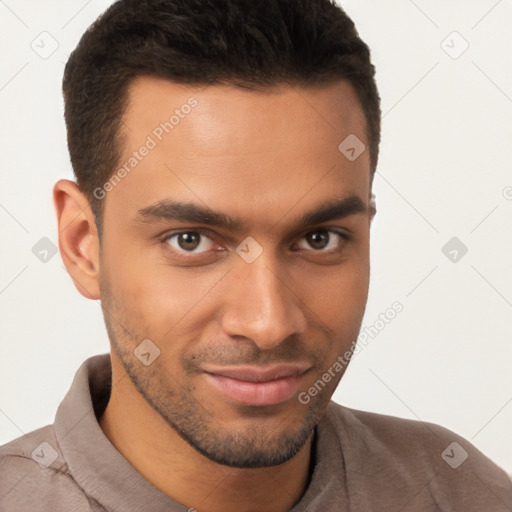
column 222, row 144
column 226, row 114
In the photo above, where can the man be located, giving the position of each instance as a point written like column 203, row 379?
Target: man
column 224, row 152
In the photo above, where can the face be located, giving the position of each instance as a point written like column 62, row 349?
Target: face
column 237, row 243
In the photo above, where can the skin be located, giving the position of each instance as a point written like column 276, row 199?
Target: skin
column 266, row 158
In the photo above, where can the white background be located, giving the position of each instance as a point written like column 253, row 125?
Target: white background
column 444, row 171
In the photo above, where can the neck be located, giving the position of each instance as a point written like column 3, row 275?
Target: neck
column 171, row 465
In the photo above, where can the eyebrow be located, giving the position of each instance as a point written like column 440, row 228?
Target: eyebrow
column 168, row 209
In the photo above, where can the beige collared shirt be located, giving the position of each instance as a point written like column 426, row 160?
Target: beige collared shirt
column 363, row 462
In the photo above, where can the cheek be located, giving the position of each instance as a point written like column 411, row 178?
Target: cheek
column 338, row 296
column 167, row 303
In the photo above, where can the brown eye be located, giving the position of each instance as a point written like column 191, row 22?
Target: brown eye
column 318, row 240
column 323, row 240
column 189, row 241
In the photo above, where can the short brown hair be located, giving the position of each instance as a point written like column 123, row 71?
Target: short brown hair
column 240, row 42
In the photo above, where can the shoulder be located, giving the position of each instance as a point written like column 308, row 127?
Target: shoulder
column 35, row 476
column 409, row 440
column 385, row 430
column 454, row 470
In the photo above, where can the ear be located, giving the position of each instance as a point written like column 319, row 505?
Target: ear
column 373, row 206
column 78, row 237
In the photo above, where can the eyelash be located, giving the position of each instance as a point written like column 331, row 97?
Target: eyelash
column 163, row 239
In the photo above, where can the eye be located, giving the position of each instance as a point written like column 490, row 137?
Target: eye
column 324, row 240
column 199, row 243
column 189, row 242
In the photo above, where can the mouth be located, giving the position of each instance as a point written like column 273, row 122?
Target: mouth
column 257, row 386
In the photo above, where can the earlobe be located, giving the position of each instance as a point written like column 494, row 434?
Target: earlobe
column 78, row 237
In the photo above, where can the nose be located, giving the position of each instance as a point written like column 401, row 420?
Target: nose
column 261, row 304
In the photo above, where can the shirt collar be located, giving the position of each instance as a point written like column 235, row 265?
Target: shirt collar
column 107, row 477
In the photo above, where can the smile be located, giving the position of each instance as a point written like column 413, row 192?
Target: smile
column 250, row 386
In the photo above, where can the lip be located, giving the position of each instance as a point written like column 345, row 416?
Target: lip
column 257, row 386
